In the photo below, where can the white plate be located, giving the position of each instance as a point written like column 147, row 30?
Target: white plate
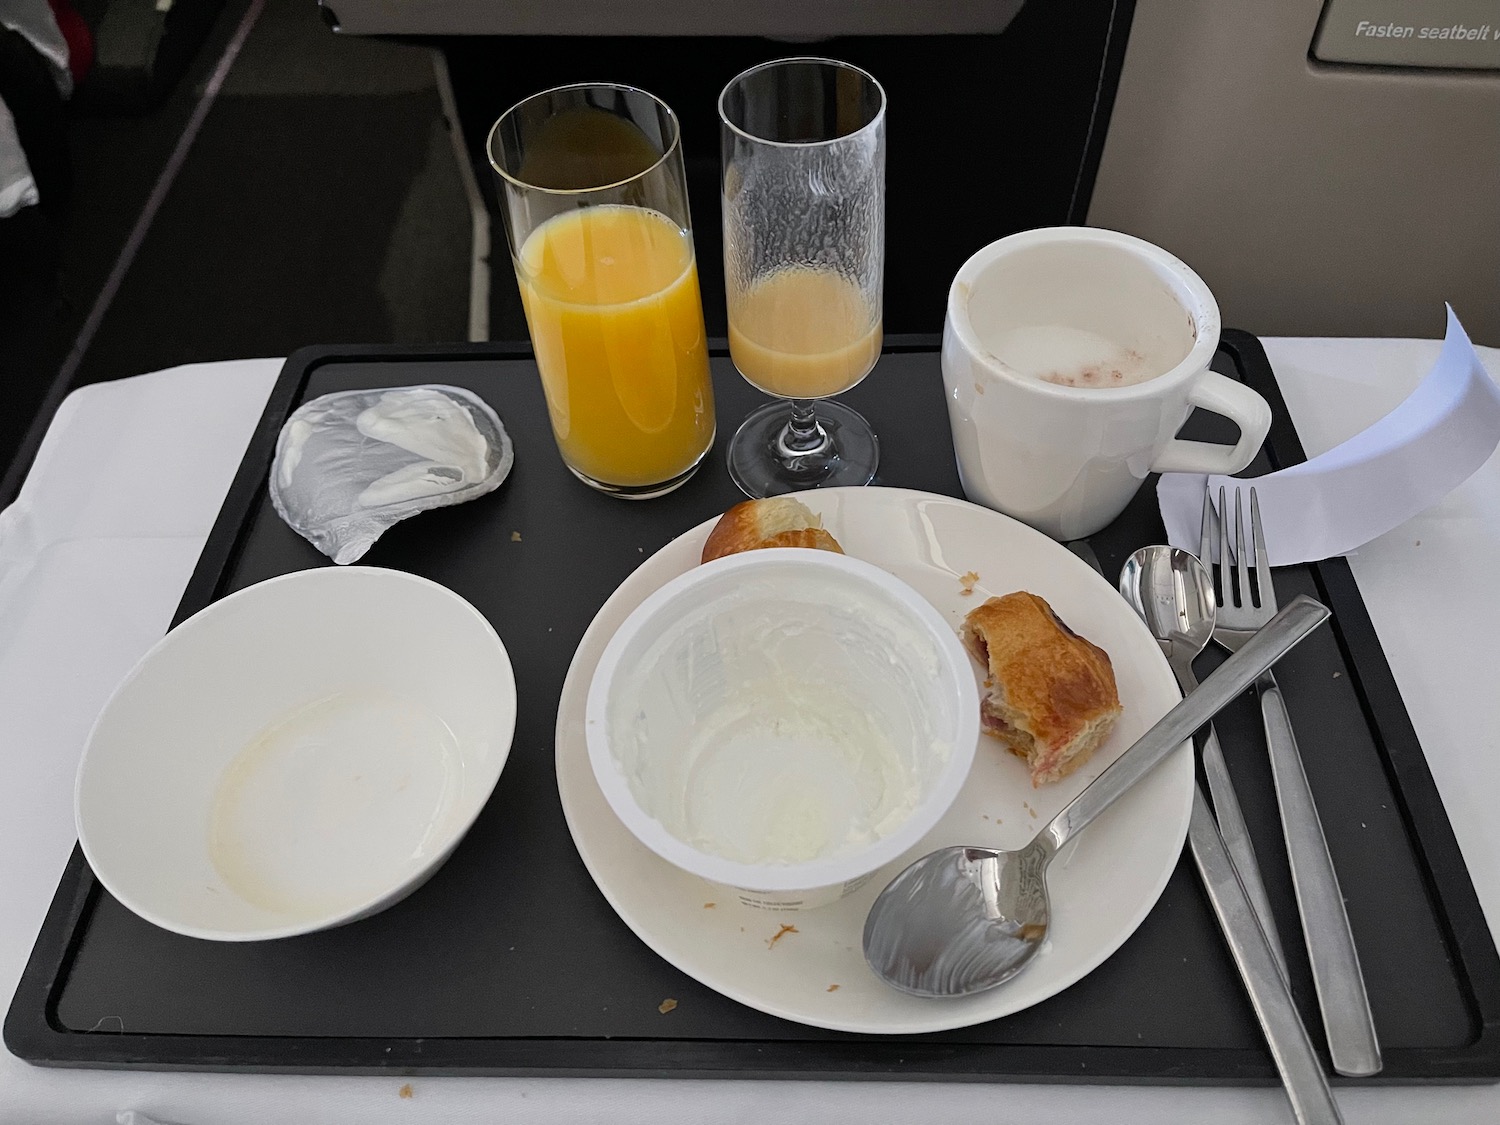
column 1102, row 885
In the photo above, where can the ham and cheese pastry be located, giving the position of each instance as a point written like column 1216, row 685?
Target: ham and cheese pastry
column 1052, row 699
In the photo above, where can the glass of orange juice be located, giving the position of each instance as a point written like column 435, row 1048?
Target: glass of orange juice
column 596, row 215
column 803, row 147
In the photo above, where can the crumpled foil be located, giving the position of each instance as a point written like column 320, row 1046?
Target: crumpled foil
column 351, row 464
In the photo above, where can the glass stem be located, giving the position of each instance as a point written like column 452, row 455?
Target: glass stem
column 802, row 434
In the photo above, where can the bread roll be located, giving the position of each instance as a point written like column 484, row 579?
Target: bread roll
column 1052, row 698
column 777, row 521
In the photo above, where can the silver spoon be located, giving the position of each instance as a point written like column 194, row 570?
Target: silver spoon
column 1174, row 594
column 965, row 919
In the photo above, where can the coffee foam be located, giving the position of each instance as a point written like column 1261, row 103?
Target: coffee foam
column 1077, row 357
column 1080, row 315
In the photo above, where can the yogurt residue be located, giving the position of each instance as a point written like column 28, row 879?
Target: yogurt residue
column 434, row 427
column 319, row 810
column 796, row 774
column 784, row 727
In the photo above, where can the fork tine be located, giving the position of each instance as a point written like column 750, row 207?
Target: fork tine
column 1265, row 588
column 1241, row 555
column 1226, row 580
column 1205, row 536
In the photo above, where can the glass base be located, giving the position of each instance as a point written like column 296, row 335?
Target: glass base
column 640, row 491
column 765, row 458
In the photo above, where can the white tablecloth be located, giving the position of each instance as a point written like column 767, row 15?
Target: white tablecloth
column 96, row 551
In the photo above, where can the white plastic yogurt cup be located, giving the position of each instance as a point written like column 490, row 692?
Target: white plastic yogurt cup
column 783, row 723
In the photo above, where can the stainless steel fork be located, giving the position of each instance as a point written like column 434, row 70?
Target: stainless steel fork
column 1242, row 609
column 1231, row 819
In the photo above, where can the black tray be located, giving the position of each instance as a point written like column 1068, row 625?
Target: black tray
column 509, row 961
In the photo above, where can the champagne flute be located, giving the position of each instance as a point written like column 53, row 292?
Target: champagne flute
column 803, row 148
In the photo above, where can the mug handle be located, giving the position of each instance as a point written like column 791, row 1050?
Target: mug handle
column 1219, row 394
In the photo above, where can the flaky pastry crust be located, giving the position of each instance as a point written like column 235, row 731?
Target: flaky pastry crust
column 1051, row 694
column 777, row 521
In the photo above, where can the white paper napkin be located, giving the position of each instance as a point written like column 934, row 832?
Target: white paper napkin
column 1401, row 465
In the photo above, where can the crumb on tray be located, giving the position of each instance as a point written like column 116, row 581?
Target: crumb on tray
column 666, row 1005
column 966, row 582
column 405, row 1091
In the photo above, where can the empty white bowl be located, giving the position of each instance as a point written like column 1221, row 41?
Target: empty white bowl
column 782, row 722
column 299, row 754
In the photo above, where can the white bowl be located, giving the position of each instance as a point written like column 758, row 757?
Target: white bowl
column 299, row 754
column 782, row 722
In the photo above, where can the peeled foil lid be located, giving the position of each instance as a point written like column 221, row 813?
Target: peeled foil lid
column 351, row 464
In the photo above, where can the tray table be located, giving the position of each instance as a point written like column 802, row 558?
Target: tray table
column 509, row 961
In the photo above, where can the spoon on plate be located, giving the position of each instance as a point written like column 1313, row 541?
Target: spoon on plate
column 1174, row 594
column 965, row 919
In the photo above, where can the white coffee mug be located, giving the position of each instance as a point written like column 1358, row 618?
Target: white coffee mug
column 1071, row 358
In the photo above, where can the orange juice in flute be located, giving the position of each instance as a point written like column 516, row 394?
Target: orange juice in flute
column 803, row 185
column 804, row 333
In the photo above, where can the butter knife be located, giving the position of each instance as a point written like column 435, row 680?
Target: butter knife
column 1301, row 1072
